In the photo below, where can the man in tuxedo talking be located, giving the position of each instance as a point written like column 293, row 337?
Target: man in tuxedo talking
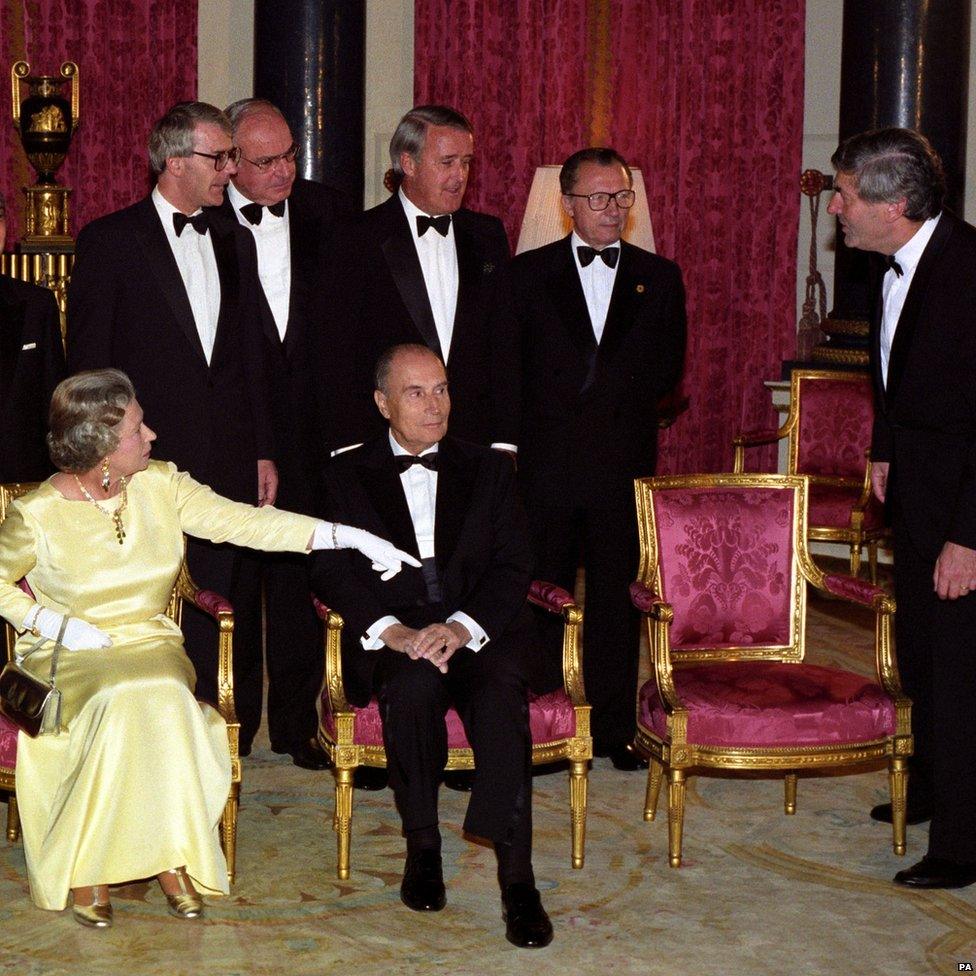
column 449, row 633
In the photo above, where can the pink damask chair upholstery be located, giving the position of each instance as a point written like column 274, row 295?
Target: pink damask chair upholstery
column 559, row 723
column 722, row 587
column 829, row 430
column 183, row 590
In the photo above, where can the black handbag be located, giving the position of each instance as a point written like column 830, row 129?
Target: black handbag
column 33, row 705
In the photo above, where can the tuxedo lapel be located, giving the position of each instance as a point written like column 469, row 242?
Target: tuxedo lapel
column 384, row 489
column 914, row 303
column 626, row 286
column 401, row 258
column 225, row 252
column 299, row 232
column 455, row 485
column 566, row 293
column 11, row 339
column 162, row 264
column 470, row 271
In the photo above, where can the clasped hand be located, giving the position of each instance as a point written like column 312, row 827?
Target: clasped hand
column 435, row 643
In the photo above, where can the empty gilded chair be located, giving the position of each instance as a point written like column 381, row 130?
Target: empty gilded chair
column 723, row 588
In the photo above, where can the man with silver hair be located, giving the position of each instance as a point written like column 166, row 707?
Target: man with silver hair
column 167, row 296
column 31, row 366
column 888, row 198
column 290, row 221
column 420, row 268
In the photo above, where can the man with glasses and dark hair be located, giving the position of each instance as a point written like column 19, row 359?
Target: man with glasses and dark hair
column 169, row 297
column 290, row 221
column 421, row 268
column 603, row 327
column 31, row 366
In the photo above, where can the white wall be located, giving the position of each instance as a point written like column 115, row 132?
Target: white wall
column 225, row 51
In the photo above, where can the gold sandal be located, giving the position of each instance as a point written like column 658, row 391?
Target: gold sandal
column 186, row 904
column 97, row 915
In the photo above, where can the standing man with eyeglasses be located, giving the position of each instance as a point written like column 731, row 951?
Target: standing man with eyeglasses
column 420, row 268
column 163, row 294
column 603, row 326
column 290, row 222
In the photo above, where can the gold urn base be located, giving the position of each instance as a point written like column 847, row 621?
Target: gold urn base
column 46, row 220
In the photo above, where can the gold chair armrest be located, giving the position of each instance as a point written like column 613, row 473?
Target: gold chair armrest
column 333, row 657
column 753, row 438
column 557, row 600
column 862, row 502
column 659, row 614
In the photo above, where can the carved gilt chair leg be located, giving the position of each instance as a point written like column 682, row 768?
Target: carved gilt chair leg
column 13, row 818
column 873, row 562
column 342, row 820
column 856, row 557
column 789, row 800
column 578, row 782
column 676, row 815
column 228, row 830
column 655, row 773
column 898, row 781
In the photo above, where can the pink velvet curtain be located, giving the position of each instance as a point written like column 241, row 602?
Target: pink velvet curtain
column 135, row 58
column 706, row 96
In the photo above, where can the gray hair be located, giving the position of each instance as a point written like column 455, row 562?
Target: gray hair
column 384, row 365
column 86, row 410
column 891, row 164
column 172, row 135
column 238, row 111
column 411, row 131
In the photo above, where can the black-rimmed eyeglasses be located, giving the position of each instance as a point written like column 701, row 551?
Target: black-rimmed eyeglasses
column 266, row 162
column 600, row 201
column 221, row 158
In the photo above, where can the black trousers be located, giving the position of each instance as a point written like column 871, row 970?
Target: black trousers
column 574, row 519
column 935, row 642
column 489, row 693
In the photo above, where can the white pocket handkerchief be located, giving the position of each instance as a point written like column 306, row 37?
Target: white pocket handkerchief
column 28, row 345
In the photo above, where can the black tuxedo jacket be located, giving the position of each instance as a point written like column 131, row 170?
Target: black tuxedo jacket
column 128, row 308
column 925, row 420
column 376, row 298
column 590, row 404
column 481, row 546
column 295, row 376
column 31, row 366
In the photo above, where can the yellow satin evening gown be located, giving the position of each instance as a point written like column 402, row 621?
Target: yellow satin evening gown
column 137, row 782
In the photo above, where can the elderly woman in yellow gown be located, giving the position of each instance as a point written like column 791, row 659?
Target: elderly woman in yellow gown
column 135, row 784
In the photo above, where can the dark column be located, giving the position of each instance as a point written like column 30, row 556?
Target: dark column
column 903, row 63
column 309, row 59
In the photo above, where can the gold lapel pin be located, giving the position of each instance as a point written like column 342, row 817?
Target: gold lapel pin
column 640, row 289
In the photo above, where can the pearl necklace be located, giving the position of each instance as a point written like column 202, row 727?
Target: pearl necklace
column 115, row 516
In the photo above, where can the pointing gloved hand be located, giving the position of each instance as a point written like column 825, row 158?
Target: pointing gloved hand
column 385, row 557
column 78, row 634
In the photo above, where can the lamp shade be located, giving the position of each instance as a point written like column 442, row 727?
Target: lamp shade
column 545, row 221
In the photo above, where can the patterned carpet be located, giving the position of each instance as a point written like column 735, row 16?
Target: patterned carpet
column 759, row 892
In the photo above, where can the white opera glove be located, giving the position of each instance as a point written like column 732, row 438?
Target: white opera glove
column 384, row 556
column 77, row 633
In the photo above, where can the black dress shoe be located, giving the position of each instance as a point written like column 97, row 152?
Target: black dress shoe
column 916, row 812
column 370, row 778
column 526, row 923
column 310, row 755
column 624, row 758
column 936, row 872
column 422, row 888
column 460, row 780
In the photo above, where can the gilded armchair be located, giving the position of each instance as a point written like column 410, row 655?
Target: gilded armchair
column 829, row 431
column 722, row 589
column 559, row 723
column 184, row 590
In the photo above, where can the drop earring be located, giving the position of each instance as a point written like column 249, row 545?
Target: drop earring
column 106, row 480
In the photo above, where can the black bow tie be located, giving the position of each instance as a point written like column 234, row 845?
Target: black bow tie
column 608, row 255
column 890, row 261
column 406, row 461
column 253, row 212
column 197, row 221
column 440, row 224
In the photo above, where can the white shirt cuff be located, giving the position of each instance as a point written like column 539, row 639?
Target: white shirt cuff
column 371, row 639
column 478, row 636
column 499, row 446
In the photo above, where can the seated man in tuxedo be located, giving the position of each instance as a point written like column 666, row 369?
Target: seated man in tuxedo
column 446, row 634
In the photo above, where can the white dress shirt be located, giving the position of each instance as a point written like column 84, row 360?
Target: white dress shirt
column 195, row 258
column 272, row 238
column 420, row 488
column 894, row 289
column 597, row 280
column 438, row 261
